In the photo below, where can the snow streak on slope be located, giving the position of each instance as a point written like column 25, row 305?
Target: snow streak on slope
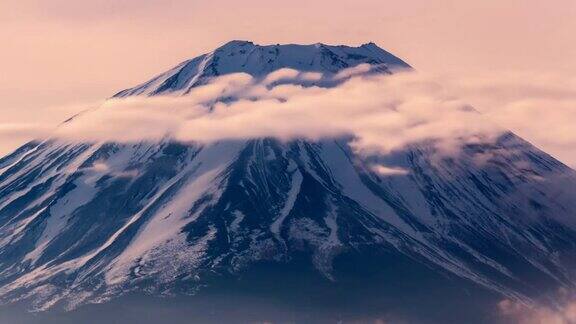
column 292, row 195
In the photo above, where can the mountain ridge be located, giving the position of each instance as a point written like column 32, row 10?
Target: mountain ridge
column 257, row 61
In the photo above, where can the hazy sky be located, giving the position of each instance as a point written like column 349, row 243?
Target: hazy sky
column 65, row 53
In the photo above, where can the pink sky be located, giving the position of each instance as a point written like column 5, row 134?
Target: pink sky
column 61, row 53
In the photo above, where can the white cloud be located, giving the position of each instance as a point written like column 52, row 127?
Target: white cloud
column 564, row 312
column 539, row 107
column 388, row 171
column 382, row 113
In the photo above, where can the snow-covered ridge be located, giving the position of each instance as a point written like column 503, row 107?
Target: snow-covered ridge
column 260, row 60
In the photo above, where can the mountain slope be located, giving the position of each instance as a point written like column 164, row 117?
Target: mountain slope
column 88, row 222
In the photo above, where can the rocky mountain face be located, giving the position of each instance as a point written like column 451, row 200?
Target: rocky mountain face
column 299, row 221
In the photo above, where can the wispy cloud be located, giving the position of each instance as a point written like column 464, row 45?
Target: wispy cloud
column 381, row 113
column 540, row 107
column 562, row 312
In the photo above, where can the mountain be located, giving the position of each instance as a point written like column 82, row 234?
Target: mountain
column 253, row 230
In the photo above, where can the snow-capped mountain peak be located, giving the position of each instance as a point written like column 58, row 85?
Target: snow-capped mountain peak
column 259, row 60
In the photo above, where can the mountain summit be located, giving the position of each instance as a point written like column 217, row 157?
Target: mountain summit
column 306, row 226
column 259, row 61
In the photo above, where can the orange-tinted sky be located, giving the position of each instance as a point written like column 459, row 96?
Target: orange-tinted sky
column 65, row 52
column 61, row 51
